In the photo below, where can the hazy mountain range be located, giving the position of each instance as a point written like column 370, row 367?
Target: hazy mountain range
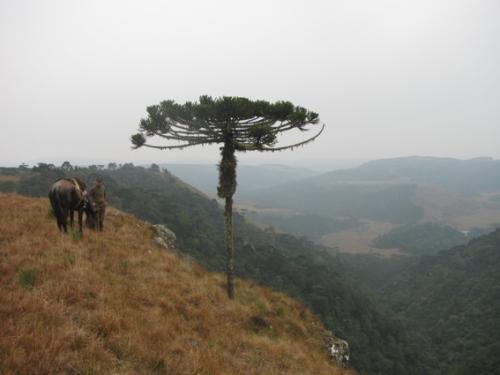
column 381, row 195
column 402, row 190
column 250, row 177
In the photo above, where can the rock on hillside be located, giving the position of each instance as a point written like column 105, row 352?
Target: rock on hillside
column 116, row 303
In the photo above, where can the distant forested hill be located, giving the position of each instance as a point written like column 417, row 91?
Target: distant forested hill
column 427, row 238
column 453, row 298
column 464, row 176
column 380, row 344
column 400, row 191
column 250, row 177
column 385, row 202
column 309, row 225
column 449, row 301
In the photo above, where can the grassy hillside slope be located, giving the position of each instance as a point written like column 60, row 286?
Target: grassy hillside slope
column 114, row 303
column 379, row 343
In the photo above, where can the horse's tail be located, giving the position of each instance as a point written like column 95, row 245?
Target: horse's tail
column 56, row 207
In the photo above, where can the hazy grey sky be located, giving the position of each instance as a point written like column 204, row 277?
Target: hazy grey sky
column 389, row 78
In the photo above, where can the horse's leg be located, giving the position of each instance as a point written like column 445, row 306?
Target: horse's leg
column 60, row 222
column 60, row 217
column 65, row 213
column 80, row 218
column 71, row 217
column 56, row 209
column 65, row 221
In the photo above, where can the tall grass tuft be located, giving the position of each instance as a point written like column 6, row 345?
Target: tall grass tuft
column 70, row 259
column 51, row 214
column 27, row 277
column 76, row 235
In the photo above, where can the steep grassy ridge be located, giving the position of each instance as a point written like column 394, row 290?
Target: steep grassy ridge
column 113, row 303
column 379, row 343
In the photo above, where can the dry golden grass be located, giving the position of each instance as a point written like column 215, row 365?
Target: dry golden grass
column 6, row 177
column 114, row 304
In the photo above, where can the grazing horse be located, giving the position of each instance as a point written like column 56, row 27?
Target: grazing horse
column 66, row 196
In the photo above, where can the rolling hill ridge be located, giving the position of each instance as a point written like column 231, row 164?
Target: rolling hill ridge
column 383, row 194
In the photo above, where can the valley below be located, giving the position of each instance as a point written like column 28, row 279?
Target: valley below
column 376, row 205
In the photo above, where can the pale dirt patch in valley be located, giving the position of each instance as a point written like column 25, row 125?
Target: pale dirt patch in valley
column 359, row 241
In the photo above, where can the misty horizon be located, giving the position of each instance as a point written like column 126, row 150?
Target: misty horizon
column 389, row 79
column 317, row 166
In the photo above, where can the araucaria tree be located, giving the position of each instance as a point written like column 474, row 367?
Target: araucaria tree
column 238, row 124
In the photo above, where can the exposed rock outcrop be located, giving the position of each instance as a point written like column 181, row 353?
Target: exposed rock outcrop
column 338, row 350
column 164, row 237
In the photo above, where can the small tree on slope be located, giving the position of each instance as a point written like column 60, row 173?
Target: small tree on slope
column 238, row 124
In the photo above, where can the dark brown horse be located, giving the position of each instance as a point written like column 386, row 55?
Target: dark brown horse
column 68, row 195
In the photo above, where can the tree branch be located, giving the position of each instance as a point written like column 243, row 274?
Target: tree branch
column 176, row 146
column 252, row 147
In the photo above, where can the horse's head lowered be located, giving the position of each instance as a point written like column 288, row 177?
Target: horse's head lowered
column 88, row 205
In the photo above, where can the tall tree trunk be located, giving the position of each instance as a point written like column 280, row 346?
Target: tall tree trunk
column 226, row 190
